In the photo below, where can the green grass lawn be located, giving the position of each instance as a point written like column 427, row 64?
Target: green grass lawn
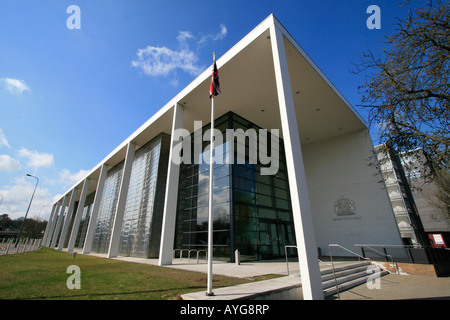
column 43, row 274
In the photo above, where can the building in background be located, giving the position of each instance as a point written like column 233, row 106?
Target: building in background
column 419, row 221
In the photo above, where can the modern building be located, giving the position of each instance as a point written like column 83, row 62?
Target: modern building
column 420, row 221
column 314, row 187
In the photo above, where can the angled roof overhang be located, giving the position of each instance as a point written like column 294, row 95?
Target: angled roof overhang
column 249, row 89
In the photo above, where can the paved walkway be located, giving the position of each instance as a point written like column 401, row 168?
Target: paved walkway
column 392, row 286
column 401, row 287
column 243, row 270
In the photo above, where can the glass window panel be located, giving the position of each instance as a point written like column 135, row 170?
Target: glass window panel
column 267, row 213
column 106, row 211
column 282, row 204
column 264, row 200
column 242, row 196
column 280, row 183
column 255, row 197
column 280, row 193
column 284, row 215
column 202, row 212
column 264, row 189
column 264, row 179
column 202, row 200
column 140, row 212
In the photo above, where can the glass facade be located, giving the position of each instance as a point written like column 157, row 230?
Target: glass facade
column 106, row 211
column 72, row 219
column 141, row 228
column 84, row 222
column 193, row 201
column 251, row 212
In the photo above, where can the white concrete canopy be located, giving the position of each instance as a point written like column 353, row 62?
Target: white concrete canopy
column 248, row 84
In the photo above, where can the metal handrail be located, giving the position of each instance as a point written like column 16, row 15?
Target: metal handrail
column 332, row 263
column 285, row 252
column 189, row 253
column 198, row 253
column 287, row 260
column 174, row 251
column 381, row 254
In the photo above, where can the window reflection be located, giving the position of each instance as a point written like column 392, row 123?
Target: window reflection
column 106, row 209
column 84, row 222
column 251, row 211
column 143, row 211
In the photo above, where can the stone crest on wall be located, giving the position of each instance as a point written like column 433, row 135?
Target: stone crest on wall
column 344, row 207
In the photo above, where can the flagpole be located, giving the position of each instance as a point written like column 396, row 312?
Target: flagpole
column 209, row 291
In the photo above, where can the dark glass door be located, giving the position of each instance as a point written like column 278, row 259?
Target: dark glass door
column 274, row 238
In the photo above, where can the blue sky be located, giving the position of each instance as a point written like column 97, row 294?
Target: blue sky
column 68, row 97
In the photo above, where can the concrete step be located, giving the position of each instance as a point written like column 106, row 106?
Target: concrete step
column 347, row 277
column 351, row 284
column 343, row 273
column 341, row 267
column 343, row 279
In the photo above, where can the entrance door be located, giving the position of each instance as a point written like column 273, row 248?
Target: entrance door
column 273, row 238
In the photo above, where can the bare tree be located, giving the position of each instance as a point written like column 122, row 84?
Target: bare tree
column 439, row 195
column 407, row 87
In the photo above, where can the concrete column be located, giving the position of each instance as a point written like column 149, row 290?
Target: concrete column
column 304, row 229
column 67, row 220
column 47, row 228
column 121, row 201
column 78, row 216
column 93, row 220
column 53, row 224
column 59, row 222
column 171, row 196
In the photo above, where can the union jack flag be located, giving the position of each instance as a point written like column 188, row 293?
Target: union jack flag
column 214, row 88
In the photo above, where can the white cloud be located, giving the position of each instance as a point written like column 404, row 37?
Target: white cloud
column 222, row 33
column 219, row 36
column 163, row 61
column 16, row 198
column 8, row 164
column 36, row 159
column 183, row 35
column 3, row 141
column 14, row 86
column 68, row 178
column 160, row 61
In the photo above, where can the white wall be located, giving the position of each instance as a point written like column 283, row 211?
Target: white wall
column 339, row 167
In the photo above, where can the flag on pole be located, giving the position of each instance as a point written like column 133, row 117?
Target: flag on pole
column 214, row 88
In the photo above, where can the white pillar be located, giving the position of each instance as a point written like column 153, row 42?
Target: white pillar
column 49, row 223
column 93, row 219
column 171, row 196
column 121, row 201
column 78, row 216
column 67, row 220
column 59, row 222
column 53, row 224
column 301, row 209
